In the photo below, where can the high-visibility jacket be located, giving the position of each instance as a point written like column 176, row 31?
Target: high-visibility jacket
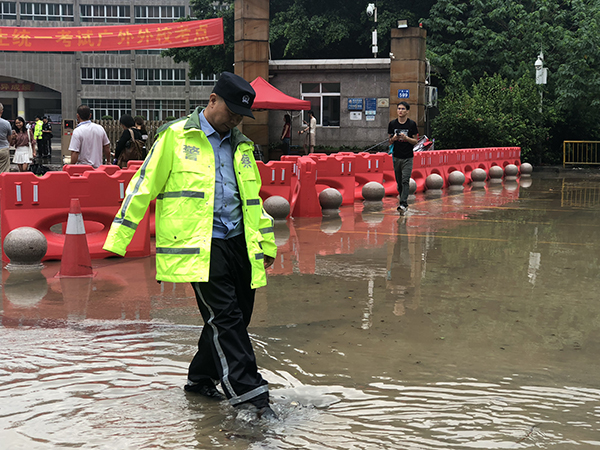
column 179, row 172
column 37, row 131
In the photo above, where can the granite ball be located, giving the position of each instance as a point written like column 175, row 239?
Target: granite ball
column 25, row 246
column 434, row 181
column 496, row 172
column 526, row 169
column 277, row 207
column 412, row 186
column 478, row 175
column 456, row 178
column 330, row 198
column 511, row 170
column 373, row 191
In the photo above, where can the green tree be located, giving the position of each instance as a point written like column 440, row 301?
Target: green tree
column 304, row 29
column 209, row 59
column 467, row 39
column 494, row 112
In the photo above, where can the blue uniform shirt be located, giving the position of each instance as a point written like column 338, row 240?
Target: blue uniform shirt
column 227, row 218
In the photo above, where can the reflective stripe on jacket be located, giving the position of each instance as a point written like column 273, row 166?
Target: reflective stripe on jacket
column 179, row 172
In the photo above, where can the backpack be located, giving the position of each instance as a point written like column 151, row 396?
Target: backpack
column 133, row 151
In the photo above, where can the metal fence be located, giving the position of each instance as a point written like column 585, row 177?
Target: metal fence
column 581, row 152
column 114, row 131
column 580, row 195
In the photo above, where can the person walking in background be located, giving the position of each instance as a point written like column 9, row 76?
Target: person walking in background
column 310, row 139
column 89, row 142
column 403, row 135
column 286, row 133
column 37, row 133
column 24, row 143
column 212, row 231
column 5, row 140
column 139, row 124
column 46, row 150
column 127, row 123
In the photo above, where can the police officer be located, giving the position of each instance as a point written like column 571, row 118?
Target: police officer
column 212, row 231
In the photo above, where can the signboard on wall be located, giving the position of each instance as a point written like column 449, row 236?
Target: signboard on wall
column 403, row 93
column 370, row 106
column 355, row 104
column 356, row 115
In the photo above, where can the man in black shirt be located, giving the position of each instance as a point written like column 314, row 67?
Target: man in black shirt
column 403, row 135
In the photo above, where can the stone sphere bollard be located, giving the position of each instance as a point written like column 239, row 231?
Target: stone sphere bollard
column 25, row 247
column 373, row 191
column 434, row 181
column 525, row 182
column 412, row 187
column 511, row 170
column 496, row 172
column 456, row 178
column 330, row 198
column 526, row 169
column 478, row 175
column 277, row 207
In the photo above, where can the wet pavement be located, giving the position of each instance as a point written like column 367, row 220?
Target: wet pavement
column 471, row 322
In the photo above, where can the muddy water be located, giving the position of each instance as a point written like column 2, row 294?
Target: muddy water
column 471, row 322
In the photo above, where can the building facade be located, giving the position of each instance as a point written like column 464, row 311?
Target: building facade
column 349, row 97
column 137, row 82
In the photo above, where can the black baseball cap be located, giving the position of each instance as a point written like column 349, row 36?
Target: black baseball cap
column 237, row 93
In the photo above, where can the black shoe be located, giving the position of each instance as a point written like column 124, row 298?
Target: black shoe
column 206, row 390
column 261, row 413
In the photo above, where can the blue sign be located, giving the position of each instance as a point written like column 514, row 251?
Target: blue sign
column 403, row 93
column 370, row 106
column 355, row 104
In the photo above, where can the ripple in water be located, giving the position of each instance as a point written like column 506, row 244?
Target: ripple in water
column 117, row 385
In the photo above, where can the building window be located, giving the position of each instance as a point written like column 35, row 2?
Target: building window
column 204, row 80
column 47, row 11
column 198, row 104
column 103, row 107
column 105, row 76
column 158, row 14
column 160, row 109
column 325, row 101
column 8, row 10
column 104, row 13
column 150, row 51
column 160, row 77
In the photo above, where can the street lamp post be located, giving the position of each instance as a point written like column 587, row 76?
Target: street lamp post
column 372, row 11
column 541, row 75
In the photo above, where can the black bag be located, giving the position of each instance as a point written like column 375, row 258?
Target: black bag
column 38, row 168
column 133, row 151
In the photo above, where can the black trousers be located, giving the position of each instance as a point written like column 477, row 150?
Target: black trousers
column 226, row 302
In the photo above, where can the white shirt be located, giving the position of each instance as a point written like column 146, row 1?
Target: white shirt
column 88, row 139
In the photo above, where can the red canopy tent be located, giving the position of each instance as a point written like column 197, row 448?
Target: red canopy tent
column 269, row 97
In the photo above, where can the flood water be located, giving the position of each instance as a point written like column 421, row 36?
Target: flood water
column 471, row 322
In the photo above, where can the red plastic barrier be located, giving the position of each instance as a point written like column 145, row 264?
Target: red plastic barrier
column 43, row 202
column 306, row 200
column 278, row 178
column 336, row 171
column 368, row 167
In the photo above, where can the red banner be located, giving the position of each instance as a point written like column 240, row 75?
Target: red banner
column 118, row 37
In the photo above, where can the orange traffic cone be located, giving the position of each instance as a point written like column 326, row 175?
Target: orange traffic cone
column 76, row 260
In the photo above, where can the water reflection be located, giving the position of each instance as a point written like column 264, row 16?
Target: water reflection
column 470, row 322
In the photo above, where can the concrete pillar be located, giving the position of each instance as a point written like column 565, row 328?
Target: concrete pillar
column 251, row 59
column 21, row 104
column 408, row 69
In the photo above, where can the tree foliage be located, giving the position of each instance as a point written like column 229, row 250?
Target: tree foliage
column 469, row 38
column 209, row 59
column 494, row 112
column 304, row 29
